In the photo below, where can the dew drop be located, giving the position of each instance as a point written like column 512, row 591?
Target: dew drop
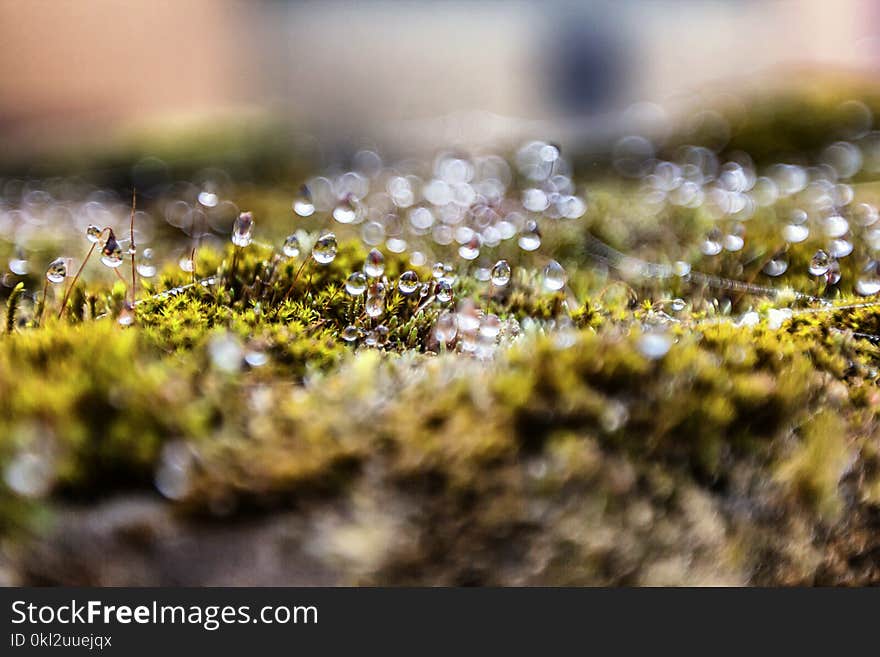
column 840, row 248
column 375, row 305
column 126, row 315
column 356, row 284
column 374, row 266
column 173, row 477
column 445, row 329
column 654, row 345
column 530, row 238
column 111, row 254
column 677, row 305
column 711, row 246
column 681, row 268
column 776, row 266
column 145, row 267
column 437, row 270
column 350, row 333
column 303, row 207
column 186, row 263
column 408, row 282
column 444, row 291
column 470, row 250
column 501, row 273
column 819, row 263
column 867, row 287
column 93, row 233
column 832, row 276
column 291, row 246
column 346, row 212
column 733, row 243
column 795, row 233
column 835, row 226
column 865, row 215
column 225, row 352
column 381, row 335
column 56, row 272
column 243, row 229
column 490, row 326
column 554, row 276
column 29, row 474
column 324, row 251
column 256, row 357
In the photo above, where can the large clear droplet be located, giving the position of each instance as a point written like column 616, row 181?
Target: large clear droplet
column 243, row 229
column 111, row 254
column 350, row 333
column 437, row 270
column 145, row 267
column 324, row 251
column 867, row 287
column 93, row 233
column 820, row 263
column 408, row 282
column 470, row 249
column 444, row 292
column 346, row 212
column 776, row 266
column 356, row 284
column 500, row 275
column 173, row 477
column 530, row 238
column 374, row 265
column 56, row 272
column 654, row 345
column 711, row 246
column 832, row 276
column 29, row 474
column 375, row 305
column 839, row 248
column 795, row 233
column 303, row 207
column 291, row 247
column 445, row 329
column 554, row 276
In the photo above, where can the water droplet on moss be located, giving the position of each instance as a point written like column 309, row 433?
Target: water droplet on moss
column 654, row 345
column 173, row 477
column 356, row 284
column 303, row 207
column 819, row 263
column 93, row 233
column 375, row 305
column 111, row 254
column 291, row 247
column 243, row 229
column 324, row 251
column 145, row 266
column 408, row 282
column 444, row 292
column 445, row 328
column 374, row 266
column 501, row 273
column 530, row 238
column 776, row 266
column 56, row 272
column 554, row 276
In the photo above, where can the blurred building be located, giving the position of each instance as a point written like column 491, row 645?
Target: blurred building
column 74, row 67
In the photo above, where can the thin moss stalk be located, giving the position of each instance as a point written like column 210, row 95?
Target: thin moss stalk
column 12, row 306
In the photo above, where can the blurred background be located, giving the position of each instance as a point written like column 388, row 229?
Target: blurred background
column 402, row 75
